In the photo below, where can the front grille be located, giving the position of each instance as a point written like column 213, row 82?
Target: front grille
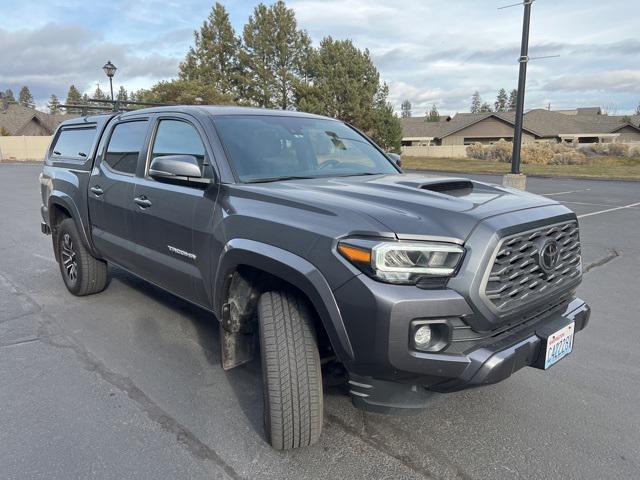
column 517, row 277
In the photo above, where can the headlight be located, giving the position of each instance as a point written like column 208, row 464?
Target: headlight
column 403, row 262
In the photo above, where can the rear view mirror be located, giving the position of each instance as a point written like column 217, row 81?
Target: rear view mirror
column 177, row 169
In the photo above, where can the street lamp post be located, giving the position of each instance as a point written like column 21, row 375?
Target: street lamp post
column 515, row 178
column 110, row 69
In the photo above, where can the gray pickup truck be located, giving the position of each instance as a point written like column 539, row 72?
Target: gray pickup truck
column 313, row 249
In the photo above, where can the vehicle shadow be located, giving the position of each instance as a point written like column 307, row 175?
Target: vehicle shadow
column 245, row 380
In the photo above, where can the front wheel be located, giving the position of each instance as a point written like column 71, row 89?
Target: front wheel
column 82, row 273
column 291, row 371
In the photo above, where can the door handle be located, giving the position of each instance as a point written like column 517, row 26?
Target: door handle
column 97, row 191
column 143, row 202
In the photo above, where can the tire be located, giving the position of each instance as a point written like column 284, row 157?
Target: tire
column 291, row 372
column 82, row 273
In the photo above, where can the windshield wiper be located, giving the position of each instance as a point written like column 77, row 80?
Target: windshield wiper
column 278, row 179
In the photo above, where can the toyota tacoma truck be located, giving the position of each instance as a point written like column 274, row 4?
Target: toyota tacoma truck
column 311, row 248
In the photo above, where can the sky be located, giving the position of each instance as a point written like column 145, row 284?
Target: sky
column 428, row 51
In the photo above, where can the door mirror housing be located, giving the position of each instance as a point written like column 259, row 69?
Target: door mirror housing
column 395, row 158
column 180, row 169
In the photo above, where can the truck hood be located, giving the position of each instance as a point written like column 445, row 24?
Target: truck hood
column 409, row 205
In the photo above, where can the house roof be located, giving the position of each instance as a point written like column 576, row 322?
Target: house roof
column 419, row 127
column 581, row 111
column 14, row 118
column 539, row 122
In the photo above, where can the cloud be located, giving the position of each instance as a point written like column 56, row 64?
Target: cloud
column 54, row 56
column 616, row 81
column 440, row 52
column 428, row 51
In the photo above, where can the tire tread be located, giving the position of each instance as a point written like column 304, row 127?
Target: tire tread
column 291, row 371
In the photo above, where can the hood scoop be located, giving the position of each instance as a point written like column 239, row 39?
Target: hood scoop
column 456, row 187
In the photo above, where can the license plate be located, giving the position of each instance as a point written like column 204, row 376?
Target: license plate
column 559, row 345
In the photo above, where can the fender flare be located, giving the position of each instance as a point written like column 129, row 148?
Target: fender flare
column 292, row 269
column 58, row 198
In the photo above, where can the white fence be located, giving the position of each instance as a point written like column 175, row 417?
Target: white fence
column 442, row 151
column 23, row 148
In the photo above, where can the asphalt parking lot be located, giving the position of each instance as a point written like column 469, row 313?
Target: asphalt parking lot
column 127, row 383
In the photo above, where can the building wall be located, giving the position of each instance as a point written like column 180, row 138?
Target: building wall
column 452, row 151
column 489, row 128
column 628, row 134
column 24, row 148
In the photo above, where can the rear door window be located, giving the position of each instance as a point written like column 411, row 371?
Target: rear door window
column 124, row 146
column 74, row 143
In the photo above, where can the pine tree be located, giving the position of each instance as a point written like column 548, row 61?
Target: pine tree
column 476, row 102
column 214, row 57
column 502, row 100
column 638, row 109
column 8, row 95
column 73, row 98
column 25, row 98
column 98, row 94
column 86, row 101
column 54, row 104
column 405, row 109
column 122, row 94
column 343, row 83
column 273, row 57
column 186, row 92
column 386, row 130
column 434, row 115
column 485, row 107
column 513, row 99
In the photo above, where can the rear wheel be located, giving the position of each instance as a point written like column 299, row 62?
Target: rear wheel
column 291, row 371
column 82, row 273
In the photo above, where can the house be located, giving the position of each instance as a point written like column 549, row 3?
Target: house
column 16, row 119
column 586, row 125
column 582, row 111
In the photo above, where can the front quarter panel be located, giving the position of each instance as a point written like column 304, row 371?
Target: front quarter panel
column 294, row 270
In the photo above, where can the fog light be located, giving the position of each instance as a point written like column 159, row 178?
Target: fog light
column 422, row 336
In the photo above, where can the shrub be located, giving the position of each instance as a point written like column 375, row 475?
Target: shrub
column 501, row 151
column 618, row 149
column 634, row 152
column 599, row 148
column 477, row 150
column 562, row 147
column 587, row 150
column 568, row 158
column 537, row 153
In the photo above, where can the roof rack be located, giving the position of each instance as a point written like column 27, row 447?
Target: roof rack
column 115, row 105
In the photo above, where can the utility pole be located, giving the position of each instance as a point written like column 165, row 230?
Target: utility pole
column 516, row 179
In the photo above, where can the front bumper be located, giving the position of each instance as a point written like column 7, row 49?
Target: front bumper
column 387, row 374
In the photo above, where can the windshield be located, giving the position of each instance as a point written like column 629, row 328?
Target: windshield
column 267, row 148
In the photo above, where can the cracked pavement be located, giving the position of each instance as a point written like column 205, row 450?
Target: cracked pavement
column 127, row 383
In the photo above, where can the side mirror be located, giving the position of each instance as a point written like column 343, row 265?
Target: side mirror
column 182, row 169
column 395, row 158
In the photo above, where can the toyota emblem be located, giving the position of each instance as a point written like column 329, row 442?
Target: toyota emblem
column 549, row 255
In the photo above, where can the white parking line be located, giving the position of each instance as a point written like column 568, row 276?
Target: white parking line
column 590, row 203
column 608, row 210
column 564, row 193
column 48, row 259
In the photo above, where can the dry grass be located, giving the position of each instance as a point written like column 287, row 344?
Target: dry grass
column 595, row 167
